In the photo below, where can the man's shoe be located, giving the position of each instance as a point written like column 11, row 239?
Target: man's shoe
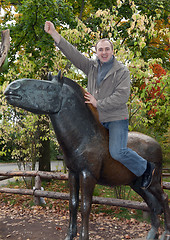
column 147, row 176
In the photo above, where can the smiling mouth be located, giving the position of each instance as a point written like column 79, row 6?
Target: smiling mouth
column 104, row 57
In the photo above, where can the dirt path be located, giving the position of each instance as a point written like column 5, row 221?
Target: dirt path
column 39, row 223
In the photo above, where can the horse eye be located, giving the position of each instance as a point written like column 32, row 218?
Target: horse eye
column 15, row 85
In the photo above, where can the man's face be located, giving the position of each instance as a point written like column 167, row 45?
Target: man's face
column 104, row 51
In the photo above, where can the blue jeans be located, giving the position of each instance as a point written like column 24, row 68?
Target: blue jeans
column 118, row 136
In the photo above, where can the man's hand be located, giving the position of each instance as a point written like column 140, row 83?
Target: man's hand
column 90, row 99
column 50, row 29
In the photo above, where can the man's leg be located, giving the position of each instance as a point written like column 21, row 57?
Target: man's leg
column 118, row 136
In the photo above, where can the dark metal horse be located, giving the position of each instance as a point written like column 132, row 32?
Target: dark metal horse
column 85, row 145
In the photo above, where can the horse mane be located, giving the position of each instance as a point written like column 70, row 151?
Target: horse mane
column 75, row 86
column 80, row 91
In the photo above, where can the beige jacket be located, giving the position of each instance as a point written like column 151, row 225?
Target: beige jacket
column 113, row 92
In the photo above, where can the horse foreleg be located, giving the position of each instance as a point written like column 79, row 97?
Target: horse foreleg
column 73, row 205
column 87, row 182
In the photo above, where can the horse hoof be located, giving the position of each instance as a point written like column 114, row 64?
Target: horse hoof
column 153, row 234
column 68, row 238
column 165, row 236
column 84, row 236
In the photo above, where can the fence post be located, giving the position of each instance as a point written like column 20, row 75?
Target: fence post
column 146, row 214
column 37, row 187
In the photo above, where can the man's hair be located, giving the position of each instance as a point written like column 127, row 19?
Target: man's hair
column 103, row 40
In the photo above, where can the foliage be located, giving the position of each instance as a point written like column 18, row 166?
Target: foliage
column 28, row 38
column 157, row 47
column 150, row 100
column 149, row 106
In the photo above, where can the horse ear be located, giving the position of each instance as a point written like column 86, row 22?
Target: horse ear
column 50, row 77
column 60, row 77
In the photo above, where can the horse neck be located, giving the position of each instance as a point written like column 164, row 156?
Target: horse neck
column 74, row 124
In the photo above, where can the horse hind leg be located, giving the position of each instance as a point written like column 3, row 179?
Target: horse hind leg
column 162, row 197
column 155, row 210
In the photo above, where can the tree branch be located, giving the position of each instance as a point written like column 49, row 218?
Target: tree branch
column 81, row 10
column 5, row 45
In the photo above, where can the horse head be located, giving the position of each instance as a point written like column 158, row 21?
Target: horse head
column 41, row 97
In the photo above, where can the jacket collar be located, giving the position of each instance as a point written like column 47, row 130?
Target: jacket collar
column 116, row 66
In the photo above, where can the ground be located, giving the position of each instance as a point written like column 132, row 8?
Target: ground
column 44, row 223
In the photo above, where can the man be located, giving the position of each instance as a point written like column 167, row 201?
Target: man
column 108, row 91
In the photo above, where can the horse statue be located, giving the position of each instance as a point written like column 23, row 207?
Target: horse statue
column 84, row 142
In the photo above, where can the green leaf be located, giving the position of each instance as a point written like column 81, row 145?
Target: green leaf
column 4, row 67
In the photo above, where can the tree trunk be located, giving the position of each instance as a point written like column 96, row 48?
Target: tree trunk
column 4, row 46
column 44, row 159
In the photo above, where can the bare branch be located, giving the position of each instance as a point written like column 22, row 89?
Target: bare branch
column 5, row 45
